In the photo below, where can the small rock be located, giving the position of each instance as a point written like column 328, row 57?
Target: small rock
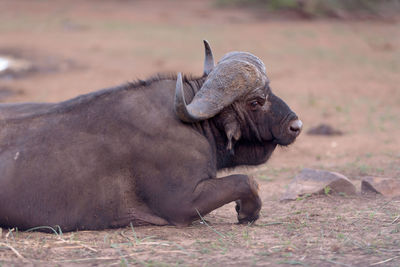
column 14, row 64
column 324, row 129
column 388, row 187
column 310, row 181
column 3, row 64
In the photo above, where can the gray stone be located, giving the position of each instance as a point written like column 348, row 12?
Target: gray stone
column 310, row 181
column 388, row 187
column 14, row 64
column 324, row 129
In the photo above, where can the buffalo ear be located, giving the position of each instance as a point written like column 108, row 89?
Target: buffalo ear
column 232, row 130
column 228, row 121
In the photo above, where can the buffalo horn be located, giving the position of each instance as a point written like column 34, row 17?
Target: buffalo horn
column 233, row 77
column 180, row 103
column 208, row 59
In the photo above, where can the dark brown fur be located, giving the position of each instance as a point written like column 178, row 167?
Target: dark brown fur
column 120, row 155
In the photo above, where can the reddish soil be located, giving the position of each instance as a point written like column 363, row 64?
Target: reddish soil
column 344, row 74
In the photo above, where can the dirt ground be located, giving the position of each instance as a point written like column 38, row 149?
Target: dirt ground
column 345, row 74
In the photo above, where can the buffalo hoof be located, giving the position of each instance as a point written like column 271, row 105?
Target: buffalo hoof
column 244, row 217
column 248, row 208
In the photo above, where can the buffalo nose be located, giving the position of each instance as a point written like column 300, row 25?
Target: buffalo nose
column 295, row 127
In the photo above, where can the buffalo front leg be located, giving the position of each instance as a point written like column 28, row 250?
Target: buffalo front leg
column 211, row 194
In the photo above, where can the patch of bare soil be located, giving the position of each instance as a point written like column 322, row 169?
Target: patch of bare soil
column 6, row 92
column 317, row 231
column 342, row 74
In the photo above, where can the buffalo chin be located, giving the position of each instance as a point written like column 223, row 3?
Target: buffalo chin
column 252, row 153
column 283, row 142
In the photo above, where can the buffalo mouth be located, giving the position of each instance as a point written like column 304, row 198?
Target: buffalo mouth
column 289, row 131
column 285, row 140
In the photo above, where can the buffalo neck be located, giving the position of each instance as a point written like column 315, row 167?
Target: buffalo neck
column 210, row 129
column 207, row 128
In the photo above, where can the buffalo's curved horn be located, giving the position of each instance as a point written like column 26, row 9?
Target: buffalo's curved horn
column 180, row 102
column 208, row 59
column 232, row 77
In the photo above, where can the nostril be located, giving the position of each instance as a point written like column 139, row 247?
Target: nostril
column 295, row 126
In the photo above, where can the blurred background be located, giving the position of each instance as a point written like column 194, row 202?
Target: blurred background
column 335, row 62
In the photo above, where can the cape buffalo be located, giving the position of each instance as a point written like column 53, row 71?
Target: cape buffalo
column 143, row 153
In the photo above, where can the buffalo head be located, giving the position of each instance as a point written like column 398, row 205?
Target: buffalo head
column 236, row 92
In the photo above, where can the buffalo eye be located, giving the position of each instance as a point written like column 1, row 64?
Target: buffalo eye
column 254, row 105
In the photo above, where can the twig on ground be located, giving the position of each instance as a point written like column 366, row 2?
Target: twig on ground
column 172, row 251
column 125, row 236
column 384, row 204
column 384, row 261
column 389, row 250
column 271, row 249
column 82, row 245
column 89, row 259
column 13, row 250
column 204, row 221
column 396, row 219
column 77, row 243
column 156, row 243
column 339, row 263
column 98, row 258
column 270, row 223
column 10, row 232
